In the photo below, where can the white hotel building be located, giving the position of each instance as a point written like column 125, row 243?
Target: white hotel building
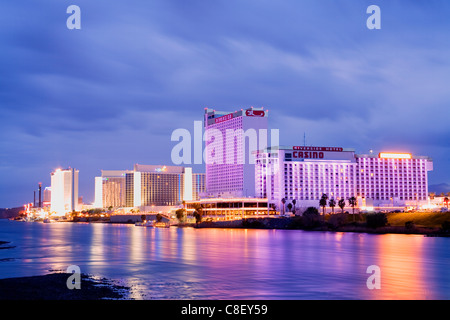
column 305, row 173
column 64, row 191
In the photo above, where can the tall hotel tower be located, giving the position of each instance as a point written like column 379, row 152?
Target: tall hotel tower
column 230, row 139
column 64, row 196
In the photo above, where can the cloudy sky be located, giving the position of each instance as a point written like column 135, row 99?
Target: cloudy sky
column 109, row 95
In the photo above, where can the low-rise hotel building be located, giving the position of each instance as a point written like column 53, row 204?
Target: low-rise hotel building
column 230, row 208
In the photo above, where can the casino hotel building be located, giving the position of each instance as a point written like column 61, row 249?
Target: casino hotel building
column 304, row 173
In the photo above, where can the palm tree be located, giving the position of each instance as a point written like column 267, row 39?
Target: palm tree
column 332, row 204
column 180, row 214
column 198, row 213
column 446, row 201
column 341, row 204
column 283, row 201
column 352, row 203
column 198, row 216
column 323, row 202
column 289, row 206
column 294, row 202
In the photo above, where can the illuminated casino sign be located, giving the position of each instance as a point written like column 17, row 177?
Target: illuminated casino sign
column 326, row 153
column 254, row 113
column 308, row 154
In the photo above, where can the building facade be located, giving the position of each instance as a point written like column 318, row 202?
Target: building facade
column 64, row 191
column 306, row 173
column 47, row 196
column 149, row 186
column 110, row 189
column 230, row 139
column 230, row 208
column 393, row 179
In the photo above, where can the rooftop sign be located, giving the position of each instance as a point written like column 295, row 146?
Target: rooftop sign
column 254, row 113
column 389, row 155
column 335, row 149
column 224, row 118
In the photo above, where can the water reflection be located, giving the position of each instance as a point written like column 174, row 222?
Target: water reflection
column 186, row 263
column 404, row 267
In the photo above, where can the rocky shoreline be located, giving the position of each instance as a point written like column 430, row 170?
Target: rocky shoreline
column 53, row 287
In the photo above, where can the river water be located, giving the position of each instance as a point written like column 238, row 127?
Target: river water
column 188, row 263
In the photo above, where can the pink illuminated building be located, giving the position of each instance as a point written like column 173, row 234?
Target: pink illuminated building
column 385, row 180
column 230, row 140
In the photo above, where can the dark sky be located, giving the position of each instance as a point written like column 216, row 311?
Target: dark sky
column 110, row 95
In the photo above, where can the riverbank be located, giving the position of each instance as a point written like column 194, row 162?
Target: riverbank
column 53, row 287
column 344, row 223
column 423, row 223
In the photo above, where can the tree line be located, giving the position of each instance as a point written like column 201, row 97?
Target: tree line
column 323, row 202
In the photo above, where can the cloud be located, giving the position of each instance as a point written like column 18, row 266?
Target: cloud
column 110, row 94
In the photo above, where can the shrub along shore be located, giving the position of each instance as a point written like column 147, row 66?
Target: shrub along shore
column 425, row 223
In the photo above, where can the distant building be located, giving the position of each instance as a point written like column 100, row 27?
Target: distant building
column 64, row 191
column 110, row 189
column 98, row 197
column 47, row 196
column 198, row 186
column 148, row 186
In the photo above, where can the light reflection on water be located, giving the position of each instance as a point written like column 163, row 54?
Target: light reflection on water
column 186, row 263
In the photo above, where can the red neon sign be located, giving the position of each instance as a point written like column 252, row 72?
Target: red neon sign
column 224, row 118
column 254, row 113
column 308, row 155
